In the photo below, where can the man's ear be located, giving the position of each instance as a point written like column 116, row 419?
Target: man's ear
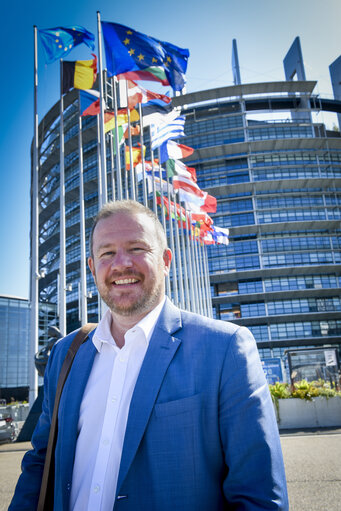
column 167, row 259
column 91, row 266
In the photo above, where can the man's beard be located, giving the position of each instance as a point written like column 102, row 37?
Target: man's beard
column 143, row 303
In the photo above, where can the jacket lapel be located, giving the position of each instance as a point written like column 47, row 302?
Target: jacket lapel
column 162, row 348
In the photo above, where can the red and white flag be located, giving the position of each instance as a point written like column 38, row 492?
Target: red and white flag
column 137, row 94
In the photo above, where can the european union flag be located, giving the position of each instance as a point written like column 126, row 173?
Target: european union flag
column 58, row 42
column 128, row 50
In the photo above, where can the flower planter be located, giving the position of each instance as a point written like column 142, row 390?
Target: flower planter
column 299, row 413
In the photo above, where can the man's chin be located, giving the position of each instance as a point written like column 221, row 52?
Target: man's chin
column 138, row 307
column 118, row 307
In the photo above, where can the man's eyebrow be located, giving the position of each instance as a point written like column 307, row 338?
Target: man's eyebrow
column 104, row 245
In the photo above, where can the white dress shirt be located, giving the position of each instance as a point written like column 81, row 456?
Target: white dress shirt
column 104, row 413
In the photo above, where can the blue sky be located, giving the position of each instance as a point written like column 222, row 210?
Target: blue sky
column 264, row 30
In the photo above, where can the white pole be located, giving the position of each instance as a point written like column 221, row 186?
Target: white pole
column 178, row 253
column 189, row 258
column 172, row 247
column 208, row 284
column 118, row 157
column 132, row 173
column 144, row 189
column 163, row 216
column 82, row 287
column 183, row 250
column 62, row 256
column 103, row 198
column 34, row 300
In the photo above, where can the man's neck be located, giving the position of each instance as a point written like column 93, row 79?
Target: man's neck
column 120, row 325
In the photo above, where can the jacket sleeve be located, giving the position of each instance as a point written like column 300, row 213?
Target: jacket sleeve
column 255, row 477
column 27, row 490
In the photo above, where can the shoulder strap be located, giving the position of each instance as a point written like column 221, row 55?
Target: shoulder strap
column 47, row 485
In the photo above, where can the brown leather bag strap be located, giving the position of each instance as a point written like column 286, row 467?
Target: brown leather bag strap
column 45, row 502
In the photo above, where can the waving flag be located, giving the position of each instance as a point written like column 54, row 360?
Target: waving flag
column 204, row 220
column 220, row 235
column 171, row 149
column 180, row 211
column 89, row 102
column 183, row 183
column 137, row 94
column 148, row 169
column 59, row 41
column 129, row 50
column 137, row 155
column 154, row 113
column 177, row 168
column 150, row 74
column 164, row 132
column 79, row 74
column 207, row 203
column 122, row 118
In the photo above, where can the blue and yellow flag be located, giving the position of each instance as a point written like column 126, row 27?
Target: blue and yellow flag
column 58, row 42
column 127, row 50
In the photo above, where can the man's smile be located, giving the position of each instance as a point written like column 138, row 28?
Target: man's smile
column 120, row 282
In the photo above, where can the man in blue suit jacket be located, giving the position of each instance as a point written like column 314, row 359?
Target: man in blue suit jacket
column 195, row 432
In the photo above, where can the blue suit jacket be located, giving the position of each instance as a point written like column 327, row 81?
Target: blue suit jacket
column 201, row 432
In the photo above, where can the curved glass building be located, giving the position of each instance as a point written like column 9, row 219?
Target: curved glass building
column 277, row 180
column 275, row 170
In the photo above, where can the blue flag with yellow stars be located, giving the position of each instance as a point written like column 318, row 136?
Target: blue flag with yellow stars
column 128, row 50
column 58, row 42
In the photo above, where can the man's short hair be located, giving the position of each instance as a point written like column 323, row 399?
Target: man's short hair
column 130, row 207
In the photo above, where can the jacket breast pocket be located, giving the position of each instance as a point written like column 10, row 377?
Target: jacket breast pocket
column 178, row 406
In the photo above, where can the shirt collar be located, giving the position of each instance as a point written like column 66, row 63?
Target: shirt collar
column 146, row 324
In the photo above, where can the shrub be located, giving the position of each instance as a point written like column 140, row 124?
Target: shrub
column 302, row 390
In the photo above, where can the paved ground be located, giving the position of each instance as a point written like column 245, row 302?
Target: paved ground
column 312, row 461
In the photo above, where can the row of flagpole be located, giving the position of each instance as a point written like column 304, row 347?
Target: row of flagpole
column 187, row 293
column 189, row 286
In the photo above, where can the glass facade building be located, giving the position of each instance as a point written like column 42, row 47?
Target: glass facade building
column 14, row 343
column 276, row 173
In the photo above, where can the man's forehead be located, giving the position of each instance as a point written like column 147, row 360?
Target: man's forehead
column 124, row 222
column 126, row 217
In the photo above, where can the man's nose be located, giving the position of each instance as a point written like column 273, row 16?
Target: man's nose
column 122, row 259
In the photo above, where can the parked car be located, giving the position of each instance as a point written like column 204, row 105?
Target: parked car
column 8, row 430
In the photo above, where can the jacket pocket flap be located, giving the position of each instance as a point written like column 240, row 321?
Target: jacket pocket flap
column 178, row 406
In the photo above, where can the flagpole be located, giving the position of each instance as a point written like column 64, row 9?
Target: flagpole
column 171, row 237
column 126, row 171
column 201, row 276
column 197, row 271
column 132, row 176
column 181, row 259
column 118, row 157
column 153, row 173
column 188, row 304
column 189, row 258
column 178, row 255
column 144, row 189
column 83, row 285
column 34, row 292
column 62, row 256
column 208, row 284
column 103, row 197
column 112, row 167
column 163, row 217
column 99, row 161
